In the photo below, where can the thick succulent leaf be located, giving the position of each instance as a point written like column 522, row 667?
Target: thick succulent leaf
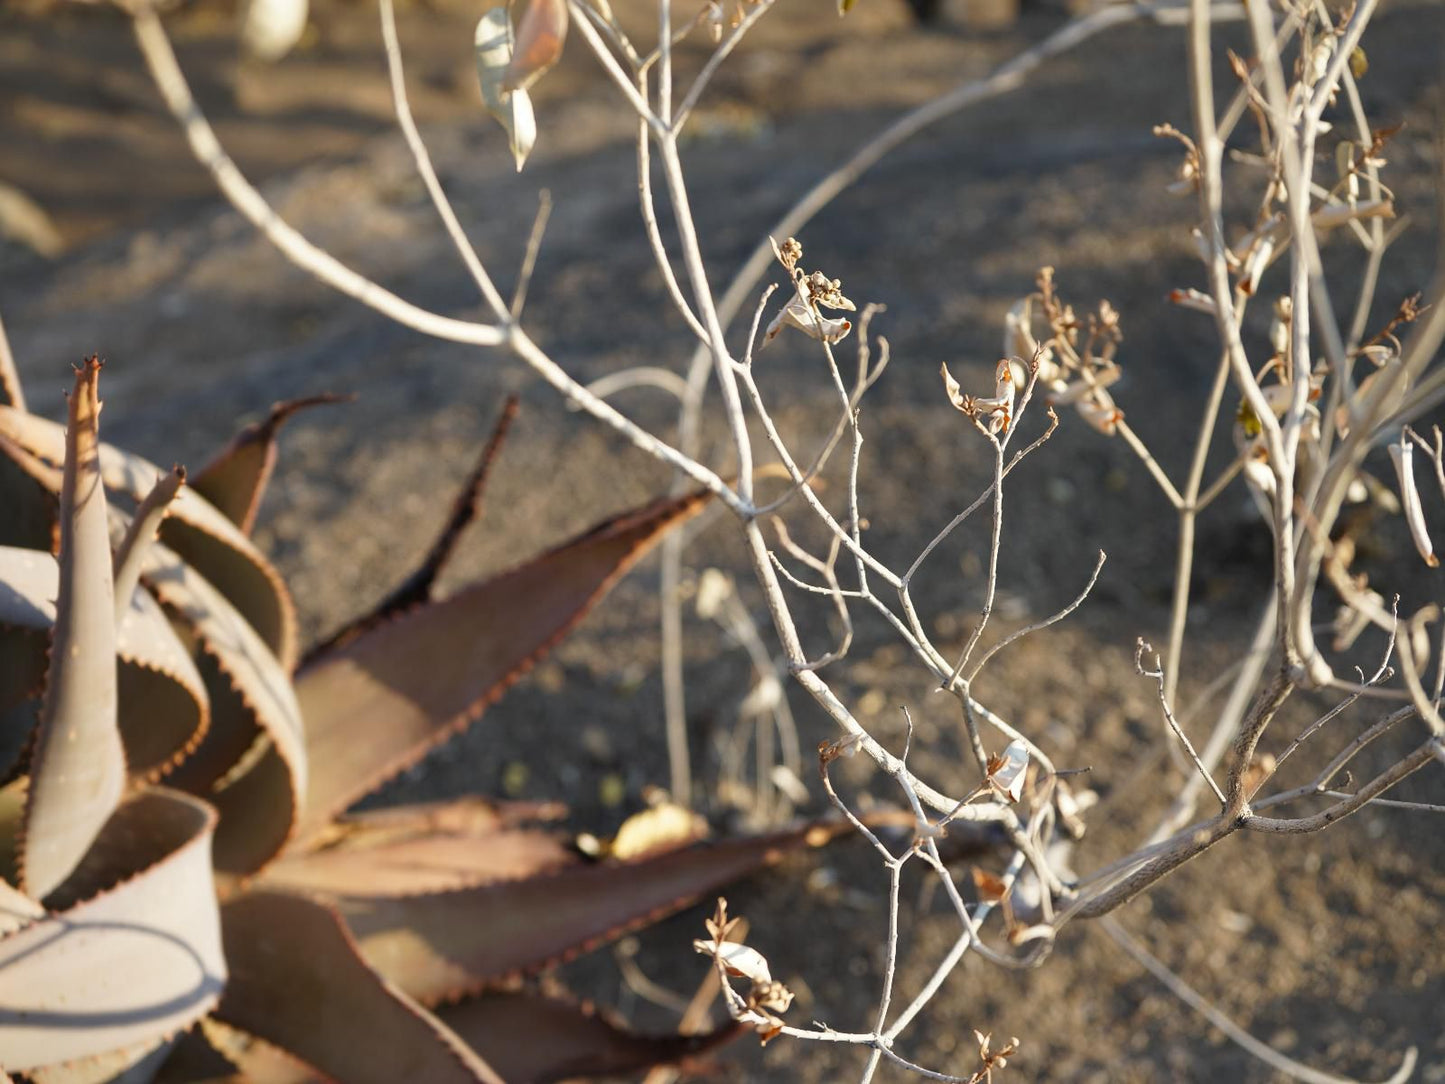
column 235, row 481
column 251, row 764
column 203, row 536
column 377, row 704
column 137, row 960
column 144, row 526
column 435, row 862
column 162, row 701
column 427, row 847
column 298, row 982
column 78, row 770
column 470, row 814
column 417, row 588
column 136, row 1064
column 532, row 1039
column 216, row 1053
column 16, row 909
column 23, row 657
column 442, row 946
column 28, row 490
column 12, row 808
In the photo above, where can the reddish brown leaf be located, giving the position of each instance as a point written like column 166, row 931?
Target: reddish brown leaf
column 540, row 37
column 297, row 982
column 216, row 1053
column 442, row 946
column 417, row 588
column 251, row 765
column 235, row 480
column 144, row 526
column 531, row 1039
column 78, row 769
column 134, row 962
column 376, row 705
column 435, row 862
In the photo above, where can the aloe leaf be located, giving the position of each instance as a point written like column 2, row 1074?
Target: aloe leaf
column 12, row 392
column 203, row 536
column 298, row 982
column 235, row 480
column 377, row 704
column 532, row 1039
column 444, row 946
column 136, row 1064
column 132, row 950
column 16, row 909
column 417, row 588
column 216, row 1053
column 28, row 491
column 163, row 706
column 78, row 770
column 431, row 862
column 252, row 762
column 142, row 531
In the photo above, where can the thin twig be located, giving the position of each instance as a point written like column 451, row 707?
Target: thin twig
column 1236, row 1034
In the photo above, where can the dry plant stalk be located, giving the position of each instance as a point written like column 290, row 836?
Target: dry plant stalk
column 1302, row 429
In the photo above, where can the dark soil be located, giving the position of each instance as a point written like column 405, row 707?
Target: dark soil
column 1328, row 947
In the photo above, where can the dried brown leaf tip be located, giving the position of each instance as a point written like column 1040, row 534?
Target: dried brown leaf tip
column 811, row 293
column 992, row 1059
column 766, row 996
column 829, row 751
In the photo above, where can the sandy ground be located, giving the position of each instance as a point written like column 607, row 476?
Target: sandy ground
column 1327, row 947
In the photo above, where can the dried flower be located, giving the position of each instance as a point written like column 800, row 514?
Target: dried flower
column 997, row 408
column 788, row 253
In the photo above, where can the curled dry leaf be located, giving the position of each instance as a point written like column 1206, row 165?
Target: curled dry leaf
column 740, row 961
column 1007, row 771
column 809, row 321
column 494, row 45
column 663, row 827
column 540, row 37
column 766, row 996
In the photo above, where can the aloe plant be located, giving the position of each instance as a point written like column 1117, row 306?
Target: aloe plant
column 183, row 894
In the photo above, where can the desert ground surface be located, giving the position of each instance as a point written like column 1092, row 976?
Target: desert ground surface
column 1328, row 947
